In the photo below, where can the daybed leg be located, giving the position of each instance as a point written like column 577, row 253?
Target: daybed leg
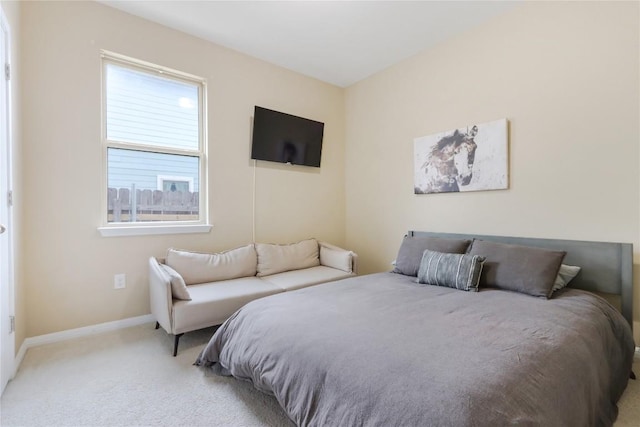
column 632, row 376
column 157, row 325
column 175, row 344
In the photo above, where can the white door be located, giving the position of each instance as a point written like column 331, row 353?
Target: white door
column 7, row 336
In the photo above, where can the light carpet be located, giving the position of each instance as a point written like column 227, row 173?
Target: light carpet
column 129, row 378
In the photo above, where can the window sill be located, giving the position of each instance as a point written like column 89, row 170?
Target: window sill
column 148, row 230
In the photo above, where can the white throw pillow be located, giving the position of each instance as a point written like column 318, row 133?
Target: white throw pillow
column 565, row 274
column 202, row 268
column 335, row 258
column 178, row 287
column 274, row 259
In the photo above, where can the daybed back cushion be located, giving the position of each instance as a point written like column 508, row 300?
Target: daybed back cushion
column 522, row 269
column 334, row 257
column 274, row 258
column 178, row 287
column 456, row 271
column 202, row 268
column 412, row 248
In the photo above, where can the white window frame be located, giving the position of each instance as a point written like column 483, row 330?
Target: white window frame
column 108, row 229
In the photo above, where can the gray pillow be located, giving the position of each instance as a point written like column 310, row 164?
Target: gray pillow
column 522, row 269
column 412, row 248
column 452, row 270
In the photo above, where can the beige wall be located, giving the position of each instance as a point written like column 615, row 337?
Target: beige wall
column 565, row 75
column 11, row 10
column 69, row 276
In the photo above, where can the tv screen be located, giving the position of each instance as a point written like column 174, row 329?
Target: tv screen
column 281, row 137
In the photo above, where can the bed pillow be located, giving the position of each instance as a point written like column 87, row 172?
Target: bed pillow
column 197, row 267
column 456, row 271
column 178, row 287
column 410, row 254
column 565, row 275
column 274, row 259
column 522, row 269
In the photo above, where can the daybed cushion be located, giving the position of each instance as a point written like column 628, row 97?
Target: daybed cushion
column 274, row 258
column 456, row 271
column 296, row 279
column 213, row 303
column 332, row 256
column 178, row 287
column 412, row 248
column 197, row 267
column 516, row 268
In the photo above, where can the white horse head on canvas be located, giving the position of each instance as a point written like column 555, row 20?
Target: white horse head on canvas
column 449, row 164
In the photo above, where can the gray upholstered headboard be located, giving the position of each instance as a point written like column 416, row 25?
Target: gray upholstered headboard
column 607, row 267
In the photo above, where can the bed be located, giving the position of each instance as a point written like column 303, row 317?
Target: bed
column 384, row 349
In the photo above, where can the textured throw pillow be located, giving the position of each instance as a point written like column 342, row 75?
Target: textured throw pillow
column 516, row 268
column 336, row 258
column 565, row 275
column 274, row 259
column 178, row 287
column 202, row 268
column 451, row 270
column 410, row 253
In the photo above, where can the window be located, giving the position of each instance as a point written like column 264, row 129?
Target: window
column 175, row 183
column 155, row 151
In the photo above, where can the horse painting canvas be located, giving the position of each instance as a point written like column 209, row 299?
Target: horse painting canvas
column 472, row 158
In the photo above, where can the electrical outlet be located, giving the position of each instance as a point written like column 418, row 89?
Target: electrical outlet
column 119, row 281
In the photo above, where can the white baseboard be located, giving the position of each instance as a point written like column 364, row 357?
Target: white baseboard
column 100, row 328
column 77, row 333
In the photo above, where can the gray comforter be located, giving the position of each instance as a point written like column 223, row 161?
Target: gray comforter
column 382, row 350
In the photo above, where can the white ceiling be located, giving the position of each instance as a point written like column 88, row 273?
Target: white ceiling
column 339, row 42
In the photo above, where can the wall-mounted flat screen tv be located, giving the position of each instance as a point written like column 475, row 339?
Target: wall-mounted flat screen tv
column 284, row 138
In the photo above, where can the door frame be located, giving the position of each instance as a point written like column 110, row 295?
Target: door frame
column 7, row 249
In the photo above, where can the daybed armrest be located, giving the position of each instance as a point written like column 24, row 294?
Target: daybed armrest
column 160, row 294
column 341, row 254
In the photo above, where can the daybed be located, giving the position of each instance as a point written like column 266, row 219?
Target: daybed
column 190, row 290
column 466, row 331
